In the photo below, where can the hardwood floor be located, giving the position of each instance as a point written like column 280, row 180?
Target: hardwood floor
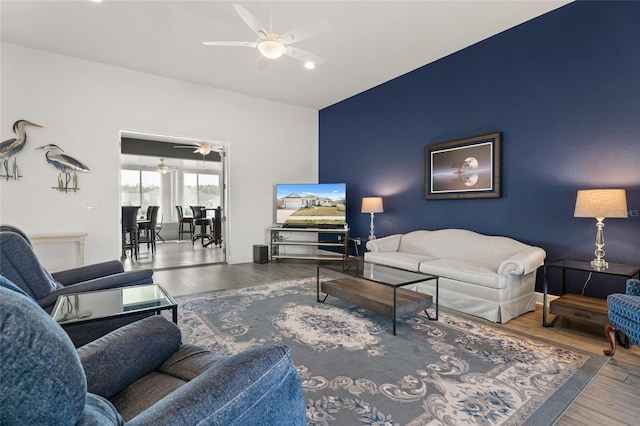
column 175, row 254
column 613, row 398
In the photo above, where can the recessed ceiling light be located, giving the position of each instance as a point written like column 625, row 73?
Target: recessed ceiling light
column 309, row 65
column 97, row 1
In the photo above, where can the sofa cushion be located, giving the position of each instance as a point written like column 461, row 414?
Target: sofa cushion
column 461, row 244
column 465, row 272
column 145, row 392
column 42, row 381
column 402, row 260
column 99, row 411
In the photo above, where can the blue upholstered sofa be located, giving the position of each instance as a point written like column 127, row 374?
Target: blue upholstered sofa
column 140, row 374
column 20, row 265
column 624, row 316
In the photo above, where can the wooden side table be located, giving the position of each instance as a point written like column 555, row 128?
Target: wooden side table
column 579, row 307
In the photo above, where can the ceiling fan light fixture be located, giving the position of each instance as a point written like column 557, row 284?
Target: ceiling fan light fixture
column 271, row 48
column 203, row 149
column 162, row 168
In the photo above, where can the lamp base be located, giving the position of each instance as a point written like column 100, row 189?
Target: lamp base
column 372, row 229
column 599, row 264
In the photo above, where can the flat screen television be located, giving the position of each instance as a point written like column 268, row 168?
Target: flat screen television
column 321, row 205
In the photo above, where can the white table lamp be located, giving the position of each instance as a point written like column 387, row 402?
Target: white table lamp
column 601, row 203
column 372, row 205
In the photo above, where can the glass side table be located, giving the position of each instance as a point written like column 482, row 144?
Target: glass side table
column 583, row 307
column 101, row 305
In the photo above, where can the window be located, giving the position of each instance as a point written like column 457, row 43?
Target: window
column 200, row 190
column 140, row 188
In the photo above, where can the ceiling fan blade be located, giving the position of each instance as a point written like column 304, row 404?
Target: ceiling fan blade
column 230, row 43
column 303, row 55
column 251, row 21
column 263, row 63
column 304, row 32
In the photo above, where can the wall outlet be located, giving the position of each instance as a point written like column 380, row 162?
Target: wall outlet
column 91, row 205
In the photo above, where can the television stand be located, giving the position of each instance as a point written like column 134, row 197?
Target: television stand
column 283, row 237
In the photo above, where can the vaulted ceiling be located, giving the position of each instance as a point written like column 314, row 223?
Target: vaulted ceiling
column 367, row 43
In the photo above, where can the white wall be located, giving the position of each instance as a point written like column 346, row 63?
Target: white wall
column 83, row 106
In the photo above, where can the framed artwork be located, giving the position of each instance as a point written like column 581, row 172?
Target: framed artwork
column 463, row 168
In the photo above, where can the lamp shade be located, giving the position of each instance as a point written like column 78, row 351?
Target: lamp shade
column 372, row 205
column 601, row 203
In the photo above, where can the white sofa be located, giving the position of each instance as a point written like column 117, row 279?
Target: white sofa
column 486, row 276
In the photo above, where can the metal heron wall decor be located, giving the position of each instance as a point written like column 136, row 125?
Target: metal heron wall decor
column 64, row 164
column 11, row 147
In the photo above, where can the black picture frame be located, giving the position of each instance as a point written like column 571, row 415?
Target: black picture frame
column 463, row 168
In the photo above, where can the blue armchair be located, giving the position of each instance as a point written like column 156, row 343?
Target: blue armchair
column 19, row 264
column 140, row 374
column 624, row 317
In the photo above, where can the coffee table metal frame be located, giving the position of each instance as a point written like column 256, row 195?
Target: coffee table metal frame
column 80, row 313
column 401, row 279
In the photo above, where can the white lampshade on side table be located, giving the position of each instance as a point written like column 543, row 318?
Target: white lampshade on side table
column 601, row 204
column 372, row 205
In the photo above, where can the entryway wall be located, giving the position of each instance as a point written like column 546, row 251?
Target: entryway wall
column 83, row 105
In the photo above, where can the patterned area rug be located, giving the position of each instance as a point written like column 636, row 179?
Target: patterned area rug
column 354, row 371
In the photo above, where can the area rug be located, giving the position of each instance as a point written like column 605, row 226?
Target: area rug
column 453, row 371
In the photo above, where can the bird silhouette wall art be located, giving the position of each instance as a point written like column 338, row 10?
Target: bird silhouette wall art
column 11, row 147
column 66, row 165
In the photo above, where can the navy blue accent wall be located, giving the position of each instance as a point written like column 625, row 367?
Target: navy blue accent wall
column 564, row 90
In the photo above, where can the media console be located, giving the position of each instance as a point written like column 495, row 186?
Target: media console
column 283, row 237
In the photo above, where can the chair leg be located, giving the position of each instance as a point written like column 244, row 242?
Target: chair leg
column 610, row 332
column 135, row 243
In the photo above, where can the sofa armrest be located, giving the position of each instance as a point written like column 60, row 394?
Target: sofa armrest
column 125, row 279
column 633, row 287
column 523, row 262
column 114, row 361
column 389, row 243
column 88, row 272
column 259, row 385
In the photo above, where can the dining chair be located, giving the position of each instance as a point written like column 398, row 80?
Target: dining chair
column 158, row 228
column 182, row 220
column 200, row 219
column 146, row 230
column 130, row 230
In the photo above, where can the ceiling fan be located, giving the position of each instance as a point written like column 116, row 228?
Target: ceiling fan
column 162, row 168
column 203, row 149
column 272, row 45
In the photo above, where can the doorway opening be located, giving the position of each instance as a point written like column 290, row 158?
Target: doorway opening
column 176, row 172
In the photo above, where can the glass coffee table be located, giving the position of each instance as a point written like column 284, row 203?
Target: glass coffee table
column 378, row 288
column 100, row 305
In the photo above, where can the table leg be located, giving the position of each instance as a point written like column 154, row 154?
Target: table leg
column 437, row 302
column 318, row 286
column 544, row 302
column 394, row 310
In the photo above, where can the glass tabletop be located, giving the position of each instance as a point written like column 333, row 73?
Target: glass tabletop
column 388, row 275
column 585, row 265
column 98, row 304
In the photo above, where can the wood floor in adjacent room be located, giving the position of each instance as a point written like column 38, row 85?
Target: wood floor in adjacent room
column 613, row 398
